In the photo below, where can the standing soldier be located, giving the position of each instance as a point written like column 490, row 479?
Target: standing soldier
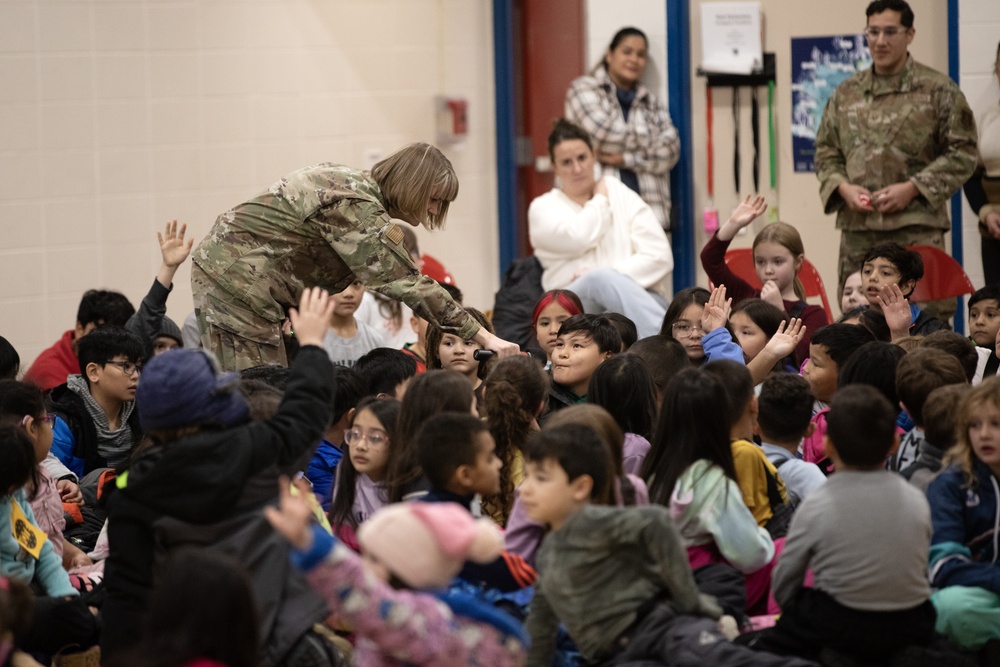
column 896, row 141
column 327, row 225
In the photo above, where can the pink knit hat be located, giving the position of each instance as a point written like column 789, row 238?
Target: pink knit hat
column 426, row 544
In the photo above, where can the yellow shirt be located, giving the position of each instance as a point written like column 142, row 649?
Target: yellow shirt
column 752, row 467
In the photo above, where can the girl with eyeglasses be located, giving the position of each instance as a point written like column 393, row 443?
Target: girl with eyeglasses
column 697, row 319
column 360, row 487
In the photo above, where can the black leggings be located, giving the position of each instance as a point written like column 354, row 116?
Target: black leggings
column 59, row 624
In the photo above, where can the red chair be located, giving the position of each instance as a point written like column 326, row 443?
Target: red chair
column 432, row 268
column 943, row 278
column 740, row 262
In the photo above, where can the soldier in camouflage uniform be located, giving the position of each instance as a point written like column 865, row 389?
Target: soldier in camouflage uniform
column 896, row 141
column 326, row 225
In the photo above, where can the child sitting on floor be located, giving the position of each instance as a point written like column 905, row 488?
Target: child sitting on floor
column 391, row 595
column 846, row 532
column 458, row 455
column 616, row 577
column 784, row 411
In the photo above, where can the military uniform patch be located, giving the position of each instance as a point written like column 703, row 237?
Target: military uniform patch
column 394, row 234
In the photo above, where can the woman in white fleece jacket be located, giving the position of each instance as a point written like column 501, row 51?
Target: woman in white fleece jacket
column 597, row 237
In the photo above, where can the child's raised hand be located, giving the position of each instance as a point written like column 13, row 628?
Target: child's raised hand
column 173, row 247
column 716, row 312
column 312, row 318
column 770, row 293
column 292, row 516
column 896, row 310
column 786, row 338
column 749, row 210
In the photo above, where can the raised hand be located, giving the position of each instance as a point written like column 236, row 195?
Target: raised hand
column 312, row 318
column 749, row 210
column 716, row 312
column 896, row 309
column 292, row 516
column 173, row 248
column 786, row 338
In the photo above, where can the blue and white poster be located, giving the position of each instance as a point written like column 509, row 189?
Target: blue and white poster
column 819, row 65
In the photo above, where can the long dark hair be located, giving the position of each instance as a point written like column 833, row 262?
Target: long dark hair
column 17, row 401
column 386, row 411
column 435, row 336
column 515, row 391
column 621, row 35
column 623, row 386
column 690, row 429
column 428, row 394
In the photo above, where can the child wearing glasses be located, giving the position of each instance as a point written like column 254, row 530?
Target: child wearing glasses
column 97, row 425
column 697, row 319
column 360, row 489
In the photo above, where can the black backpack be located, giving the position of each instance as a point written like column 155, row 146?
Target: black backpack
column 515, row 301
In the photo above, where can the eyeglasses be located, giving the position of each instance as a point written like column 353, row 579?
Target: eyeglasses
column 685, row 329
column 873, row 33
column 128, row 368
column 47, row 419
column 375, row 439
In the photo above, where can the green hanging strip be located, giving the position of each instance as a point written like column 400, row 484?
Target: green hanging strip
column 772, row 213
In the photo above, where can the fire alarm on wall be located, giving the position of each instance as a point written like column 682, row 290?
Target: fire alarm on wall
column 452, row 119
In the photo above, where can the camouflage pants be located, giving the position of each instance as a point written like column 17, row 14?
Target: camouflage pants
column 237, row 336
column 854, row 245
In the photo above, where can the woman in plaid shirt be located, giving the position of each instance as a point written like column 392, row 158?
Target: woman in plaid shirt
column 633, row 137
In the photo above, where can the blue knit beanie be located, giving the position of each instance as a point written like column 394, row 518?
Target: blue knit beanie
column 184, row 387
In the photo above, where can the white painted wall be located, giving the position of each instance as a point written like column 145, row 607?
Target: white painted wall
column 979, row 32
column 606, row 17
column 116, row 117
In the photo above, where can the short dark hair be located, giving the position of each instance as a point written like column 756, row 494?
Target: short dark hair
column 274, row 375
column 909, row 263
column 578, row 450
column 737, row 382
column 177, row 615
column 445, row 442
column 861, row 425
column 348, row 389
column 841, row 340
column 383, row 369
column 871, row 319
column 598, row 328
column 563, row 130
column 985, row 293
column 922, row 371
column 664, row 356
column 104, row 344
column 879, row 6
column 104, row 308
column 957, row 346
column 452, row 291
column 941, row 414
column 874, row 364
column 784, row 407
column 10, row 361
column 626, row 329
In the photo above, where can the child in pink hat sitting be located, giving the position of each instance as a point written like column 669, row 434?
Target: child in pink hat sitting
column 393, row 594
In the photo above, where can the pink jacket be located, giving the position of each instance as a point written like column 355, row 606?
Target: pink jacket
column 397, row 627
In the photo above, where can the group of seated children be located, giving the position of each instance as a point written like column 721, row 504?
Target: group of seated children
column 658, row 500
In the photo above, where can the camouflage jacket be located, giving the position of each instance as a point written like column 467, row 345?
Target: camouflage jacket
column 325, row 225
column 875, row 131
